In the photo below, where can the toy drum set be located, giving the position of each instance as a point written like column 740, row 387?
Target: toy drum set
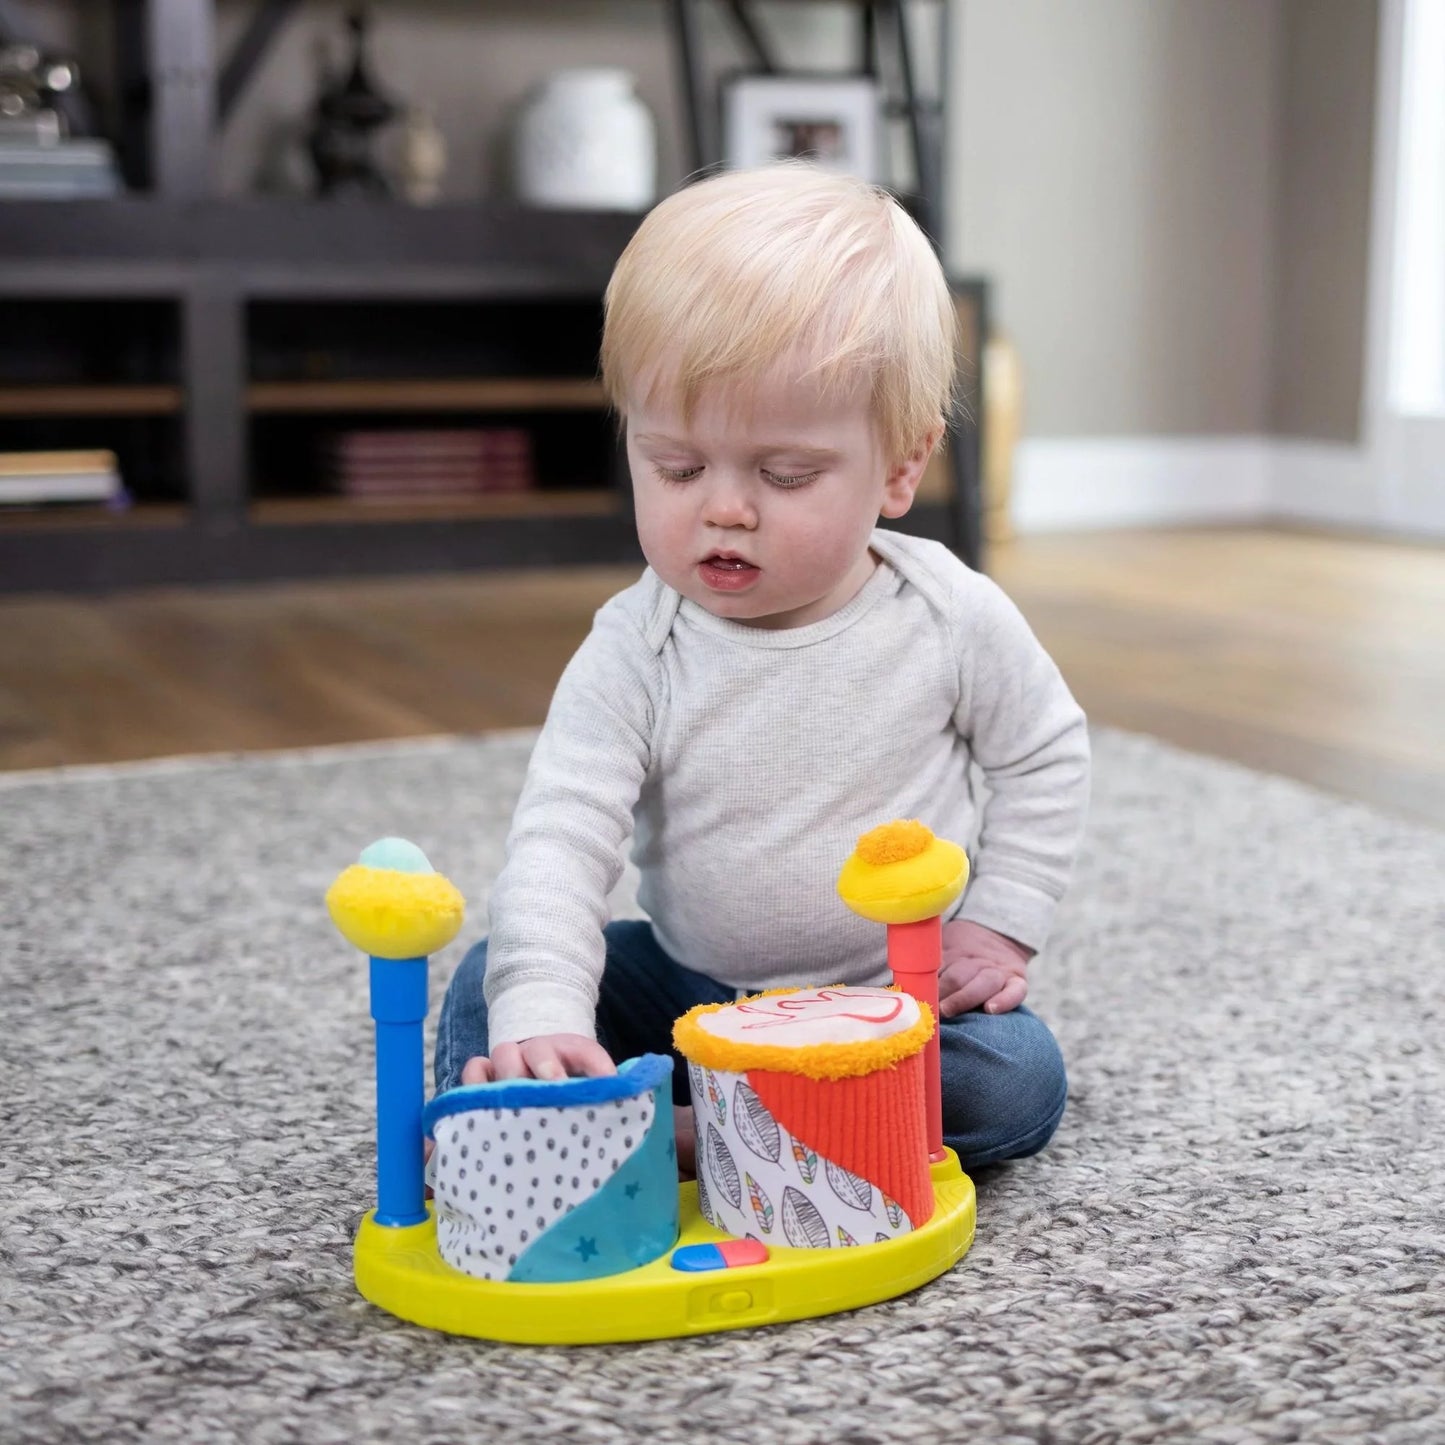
column 558, row 1218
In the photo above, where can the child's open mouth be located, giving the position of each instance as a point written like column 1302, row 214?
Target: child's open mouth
column 724, row 572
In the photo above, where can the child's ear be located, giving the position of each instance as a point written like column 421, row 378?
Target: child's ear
column 904, row 476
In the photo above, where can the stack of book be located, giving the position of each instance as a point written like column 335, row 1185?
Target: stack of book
column 407, row 465
column 29, row 479
column 63, row 170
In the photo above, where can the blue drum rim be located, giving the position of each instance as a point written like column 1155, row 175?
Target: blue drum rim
column 634, row 1078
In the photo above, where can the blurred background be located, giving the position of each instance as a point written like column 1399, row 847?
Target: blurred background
column 300, row 437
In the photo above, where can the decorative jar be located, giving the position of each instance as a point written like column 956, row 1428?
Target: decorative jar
column 583, row 140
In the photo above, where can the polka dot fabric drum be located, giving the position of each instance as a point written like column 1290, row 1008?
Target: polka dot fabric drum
column 545, row 1181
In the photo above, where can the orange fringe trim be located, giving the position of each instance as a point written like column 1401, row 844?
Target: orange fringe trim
column 812, row 1061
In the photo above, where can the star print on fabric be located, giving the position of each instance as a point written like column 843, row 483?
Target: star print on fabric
column 670, row 1150
column 586, row 1248
column 631, row 1190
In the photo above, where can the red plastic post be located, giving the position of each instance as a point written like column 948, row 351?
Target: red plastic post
column 915, row 955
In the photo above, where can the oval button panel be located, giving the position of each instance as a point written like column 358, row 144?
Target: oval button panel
column 727, row 1254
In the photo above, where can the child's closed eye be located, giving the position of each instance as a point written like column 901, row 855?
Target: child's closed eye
column 785, row 480
column 674, row 474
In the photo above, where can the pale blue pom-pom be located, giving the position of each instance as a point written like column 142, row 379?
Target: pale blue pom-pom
column 397, row 854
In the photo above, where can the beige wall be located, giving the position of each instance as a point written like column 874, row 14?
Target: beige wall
column 1113, row 171
column 1172, row 199
column 1327, row 90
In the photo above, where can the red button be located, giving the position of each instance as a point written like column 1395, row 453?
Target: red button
column 736, row 1252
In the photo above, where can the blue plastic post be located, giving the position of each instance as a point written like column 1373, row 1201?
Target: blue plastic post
column 398, row 1004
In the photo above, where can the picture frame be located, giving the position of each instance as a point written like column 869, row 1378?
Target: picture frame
column 834, row 120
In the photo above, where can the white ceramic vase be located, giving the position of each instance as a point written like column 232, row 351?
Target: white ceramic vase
column 583, row 140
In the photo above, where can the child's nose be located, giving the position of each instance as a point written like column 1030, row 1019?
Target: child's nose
column 728, row 505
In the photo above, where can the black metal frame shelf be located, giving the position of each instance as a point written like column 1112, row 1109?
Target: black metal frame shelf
column 150, row 245
column 167, row 549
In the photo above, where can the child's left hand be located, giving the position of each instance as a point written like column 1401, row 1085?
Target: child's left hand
column 981, row 969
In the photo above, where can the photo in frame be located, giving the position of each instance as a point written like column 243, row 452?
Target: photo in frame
column 835, row 121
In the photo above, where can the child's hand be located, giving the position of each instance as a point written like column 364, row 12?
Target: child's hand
column 981, row 968
column 548, row 1056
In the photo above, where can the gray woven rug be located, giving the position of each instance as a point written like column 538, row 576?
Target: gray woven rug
column 1236, row 1236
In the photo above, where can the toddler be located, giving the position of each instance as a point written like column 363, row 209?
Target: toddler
column 780, row 344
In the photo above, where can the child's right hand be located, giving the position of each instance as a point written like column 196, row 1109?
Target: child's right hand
column 548, row 1056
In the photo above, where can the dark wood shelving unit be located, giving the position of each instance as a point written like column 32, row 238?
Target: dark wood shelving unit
column 213, row 260
column 315, row 511
column 96, row 516
column 91, row 400
column 429, row 394
column 219, row 272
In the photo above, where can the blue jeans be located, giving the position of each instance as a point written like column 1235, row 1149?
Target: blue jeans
column 1004, row 1087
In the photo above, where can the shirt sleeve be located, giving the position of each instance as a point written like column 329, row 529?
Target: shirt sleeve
column 548, row 906
column 1031, row 740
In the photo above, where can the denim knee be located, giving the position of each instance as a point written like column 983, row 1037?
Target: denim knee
column 1004, row 1085
column 462, row 1027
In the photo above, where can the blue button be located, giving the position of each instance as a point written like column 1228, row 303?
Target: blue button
column 698, row 1258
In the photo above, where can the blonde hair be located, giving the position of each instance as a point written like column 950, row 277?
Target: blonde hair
column 728, row 277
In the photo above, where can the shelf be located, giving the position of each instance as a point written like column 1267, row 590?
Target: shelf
column 298, row 249
column 459, row 394
column 312, row 511
column 317, row 537
column 32, row 401
column 88, row 517
column 326, row 540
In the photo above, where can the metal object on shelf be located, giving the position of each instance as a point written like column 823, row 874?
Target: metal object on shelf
column 30, row 84
column 348, row 114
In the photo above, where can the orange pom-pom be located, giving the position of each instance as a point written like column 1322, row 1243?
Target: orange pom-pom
column 894, row 842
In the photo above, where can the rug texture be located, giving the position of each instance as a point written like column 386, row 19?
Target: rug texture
column 1236, row 1236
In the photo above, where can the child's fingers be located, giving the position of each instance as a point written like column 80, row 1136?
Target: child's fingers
column 508, row 1063
column 477, row 1071
column 957, row 975
column 583, row 1056
column 983, row 985
column 555, row 1056
column 548, row 1056
column 1010, row 996
column 543, row 1060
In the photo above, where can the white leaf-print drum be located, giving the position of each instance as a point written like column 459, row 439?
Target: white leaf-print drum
column 801, row 1099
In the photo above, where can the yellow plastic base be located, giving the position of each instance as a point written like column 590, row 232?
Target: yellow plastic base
column 401, row 1270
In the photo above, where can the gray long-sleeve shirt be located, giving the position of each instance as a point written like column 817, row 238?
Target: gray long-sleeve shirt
column 745, row 762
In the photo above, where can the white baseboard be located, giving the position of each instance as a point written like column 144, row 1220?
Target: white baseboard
column 1094, row 482
column 1078, row 483
column 1320, row 482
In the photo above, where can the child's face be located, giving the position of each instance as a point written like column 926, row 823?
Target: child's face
column 760, row 508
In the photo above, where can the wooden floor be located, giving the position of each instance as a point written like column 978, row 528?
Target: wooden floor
column 1317, row 656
